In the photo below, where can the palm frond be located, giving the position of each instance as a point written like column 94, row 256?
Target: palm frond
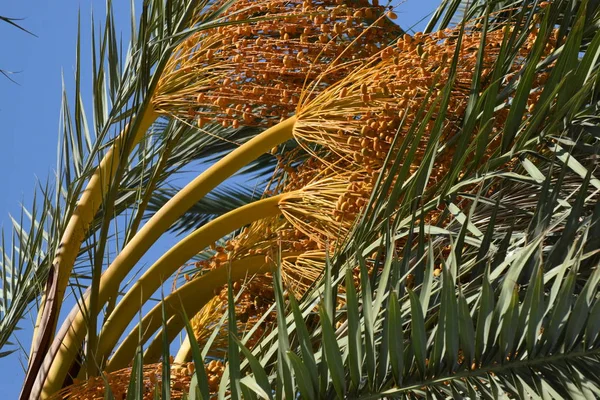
column 24, row 262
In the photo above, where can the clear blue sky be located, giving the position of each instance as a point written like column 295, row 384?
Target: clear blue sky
column 29, row 111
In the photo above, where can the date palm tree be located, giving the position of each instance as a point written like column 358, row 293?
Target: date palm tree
column 426, row 224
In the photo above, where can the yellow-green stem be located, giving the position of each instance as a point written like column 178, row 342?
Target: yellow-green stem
column 191, row 305
column 175, row 324
column 149, row 282
column 86, row 209
column 191, row 297
column 160, row 271
column 70, row 244
column 60, row 357
column 184, row 352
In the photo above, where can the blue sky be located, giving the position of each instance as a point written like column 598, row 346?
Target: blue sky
column 29, row 110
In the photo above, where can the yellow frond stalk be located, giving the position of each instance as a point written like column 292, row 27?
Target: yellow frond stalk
column 159, row 272
column 192, row 296
column 263, row 239
column 318, row 199
column 73, row 235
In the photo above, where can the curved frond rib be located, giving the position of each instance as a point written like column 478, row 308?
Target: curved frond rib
column 160, row 271
column 74, row 327
column 191, row 297
column 74, row 234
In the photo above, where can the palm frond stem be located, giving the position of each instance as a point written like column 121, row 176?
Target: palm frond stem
column 63, row 353
column 160, row 271
column 191, row 297
column 74, row 234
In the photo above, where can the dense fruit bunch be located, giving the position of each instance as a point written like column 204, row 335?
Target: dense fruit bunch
column 180, row 377
column 253, row 73
column 349, row 130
